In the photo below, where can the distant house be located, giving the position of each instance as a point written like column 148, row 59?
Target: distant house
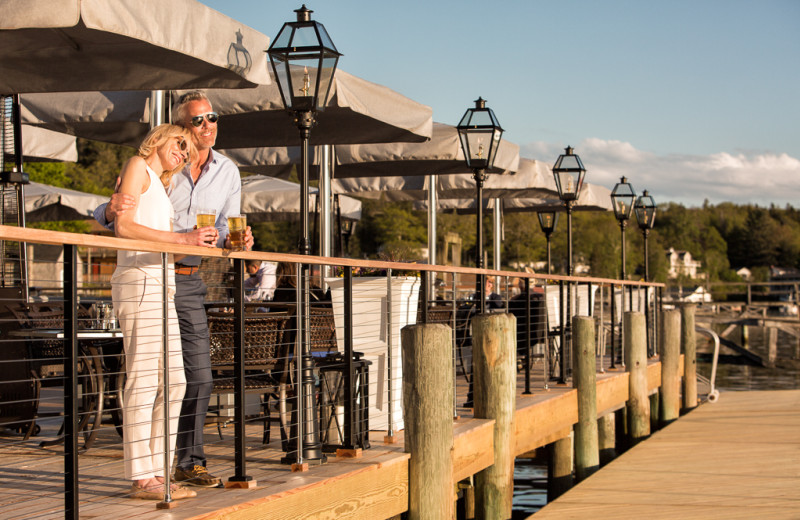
column 696, row 294
column 745, row 274
column 681, row 264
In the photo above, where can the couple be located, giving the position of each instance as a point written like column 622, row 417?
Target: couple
column 151, row 204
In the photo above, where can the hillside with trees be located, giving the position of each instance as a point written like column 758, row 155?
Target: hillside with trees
column 724, row 237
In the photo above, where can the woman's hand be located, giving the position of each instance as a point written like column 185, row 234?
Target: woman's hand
column 204, row 236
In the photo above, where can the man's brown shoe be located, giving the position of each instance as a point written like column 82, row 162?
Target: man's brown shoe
column 197, row 476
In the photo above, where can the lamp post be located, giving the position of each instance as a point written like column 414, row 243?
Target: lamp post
column 622, row 198
column 479, row 133
column 645, row 210
column 548, row 220
column 304, row 60
column 568, row 172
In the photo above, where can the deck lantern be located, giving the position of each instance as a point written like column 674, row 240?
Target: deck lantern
column 622, row 198
column 304, row 59
column 479, row 132
column 548, row 220
column 645, row 209
column 568, row 172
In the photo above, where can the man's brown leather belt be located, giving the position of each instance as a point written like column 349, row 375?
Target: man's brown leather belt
column 186, row 269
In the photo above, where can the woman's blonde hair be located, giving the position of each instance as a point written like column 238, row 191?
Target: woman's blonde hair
column 158, row 137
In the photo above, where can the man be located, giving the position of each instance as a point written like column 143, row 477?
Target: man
column 493, row 300
column 263, row 279
column 213, row 182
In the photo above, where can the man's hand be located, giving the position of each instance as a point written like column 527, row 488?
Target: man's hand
column 248, row 240
column 119, row 204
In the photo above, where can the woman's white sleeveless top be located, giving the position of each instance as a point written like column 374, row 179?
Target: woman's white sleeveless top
column 154, row 211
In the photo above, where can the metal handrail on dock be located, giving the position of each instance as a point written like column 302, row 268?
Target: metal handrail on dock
column 713, row 393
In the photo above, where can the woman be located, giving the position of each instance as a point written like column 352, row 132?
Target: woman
column 136, row 290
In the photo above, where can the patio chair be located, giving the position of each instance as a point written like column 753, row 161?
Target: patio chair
column 265, row 359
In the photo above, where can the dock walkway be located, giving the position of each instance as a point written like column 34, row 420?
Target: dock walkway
column 736, row 458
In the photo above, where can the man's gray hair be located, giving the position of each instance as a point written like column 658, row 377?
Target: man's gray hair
column 179, row 115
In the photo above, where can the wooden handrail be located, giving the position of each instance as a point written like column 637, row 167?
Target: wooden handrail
column 42, row 236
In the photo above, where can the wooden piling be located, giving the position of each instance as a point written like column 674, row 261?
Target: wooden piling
column 587, row 457
column 428, row 415
column 670, row 366
column 559, row 468
column 495, row 376
column 689, row 347
column 606, row 438
column 638, row 404
column 772, row 345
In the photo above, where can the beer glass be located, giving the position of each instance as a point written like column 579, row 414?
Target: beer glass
column 206, row 217
column 237, row 225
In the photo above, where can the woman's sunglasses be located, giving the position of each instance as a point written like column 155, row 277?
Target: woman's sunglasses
column 211, row 117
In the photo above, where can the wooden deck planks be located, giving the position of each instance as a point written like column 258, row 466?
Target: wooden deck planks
column 737, row 458
column 368, row 487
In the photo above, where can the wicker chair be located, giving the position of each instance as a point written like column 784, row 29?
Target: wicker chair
column 265, row 358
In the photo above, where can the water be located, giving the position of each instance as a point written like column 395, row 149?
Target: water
column 734, row 373
column 530, row 488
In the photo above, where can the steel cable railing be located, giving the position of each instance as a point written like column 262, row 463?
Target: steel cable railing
column 354, row 339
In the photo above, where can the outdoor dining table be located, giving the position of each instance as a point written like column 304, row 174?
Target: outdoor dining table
column 92, row 353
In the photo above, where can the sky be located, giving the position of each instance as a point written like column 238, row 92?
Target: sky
column 693, row 100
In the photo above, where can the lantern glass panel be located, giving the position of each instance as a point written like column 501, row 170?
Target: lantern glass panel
column 622, row 198
column 569, row 184
column 548, row 220
column 645, row 210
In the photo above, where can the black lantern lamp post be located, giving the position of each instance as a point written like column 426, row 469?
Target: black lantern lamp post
column 479, row 132
column 622, row 198
column 548, row 220
column 304, row 60
column 569, row 172
column 645, row 209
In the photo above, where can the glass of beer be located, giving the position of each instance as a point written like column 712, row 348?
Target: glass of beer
column 237, row 225
column 206, row 218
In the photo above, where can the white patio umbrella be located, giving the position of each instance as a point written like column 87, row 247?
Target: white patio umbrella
column 532, row 178
column 270, row 199
column 358, row 111
column 40, row 145
column 73, row 45
column 45, row 203
column 593, row 198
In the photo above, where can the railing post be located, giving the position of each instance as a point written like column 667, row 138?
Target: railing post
column 494, row 375
column 689, row 347
column 670, row 367
column 613, row 328
column 240, row 470
column 71, row 491
column 562, row 358
column 428, row 419
column 527, row 289
column 349, row 374
column 587, row 458
column 389, row 353
column 638, row 405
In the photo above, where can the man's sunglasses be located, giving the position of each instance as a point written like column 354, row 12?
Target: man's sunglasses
column 211, row 117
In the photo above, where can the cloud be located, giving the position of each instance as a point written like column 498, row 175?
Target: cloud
column 743, row 177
